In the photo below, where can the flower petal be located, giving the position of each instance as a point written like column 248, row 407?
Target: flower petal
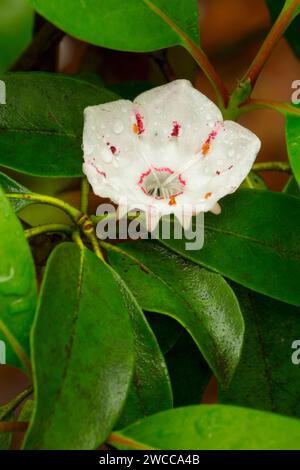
column 175, row 114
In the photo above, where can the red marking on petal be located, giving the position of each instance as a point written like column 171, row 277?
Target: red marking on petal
column 113, row 149
column 230, row 167
column 176, row 129
column 218, row 172
column 212, row 135
column 138, row 127
column 100, row 172
column 207, row 195
column 182, row 181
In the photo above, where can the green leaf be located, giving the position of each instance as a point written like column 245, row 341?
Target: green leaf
column 201, row 301
column 211, row 427
column 17, row 287
column 188, row 371
column 11, row 186
column 5, row 437
column 41, row 125
column 292, row 34
column 292, row 188
column 141, row 26
column 150, row 389
column 82, row 346
column 255, row 242
column 16, row 22
column 266, row 377
column 254, row 181
column 26, row 411
column 292, row 130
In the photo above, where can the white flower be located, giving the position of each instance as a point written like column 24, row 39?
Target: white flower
column 170, row 149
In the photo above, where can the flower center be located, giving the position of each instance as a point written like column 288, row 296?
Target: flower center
column 161, row 183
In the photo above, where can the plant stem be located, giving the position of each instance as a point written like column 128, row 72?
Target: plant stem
column 8, row 426
column 272, row 166
column 73, row 213
column 198, row 54
column 84, row 195
column 280, row 26
column 15, row 402
column 48, row 228
column 82, row 220
column 77, row 239
column 283, row 108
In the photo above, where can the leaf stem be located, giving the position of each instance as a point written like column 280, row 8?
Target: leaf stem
column 198, row 54
column 84, row 195
column 272, row 166
column 283, row 108
column 73, row 213
column 280, row 26
column 15, row 402
column 83, row 221
column 48, row 228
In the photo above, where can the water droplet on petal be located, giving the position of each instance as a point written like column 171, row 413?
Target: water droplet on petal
column 107, row 157
column 231, row 153
column 118, row 127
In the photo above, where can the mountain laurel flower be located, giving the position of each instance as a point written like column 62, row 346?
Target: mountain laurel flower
column 167, row 152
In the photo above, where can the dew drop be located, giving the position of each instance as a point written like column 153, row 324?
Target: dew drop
column 107, row 157
column 118, row 127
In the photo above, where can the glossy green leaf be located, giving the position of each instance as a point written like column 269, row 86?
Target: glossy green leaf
column 16, row 22
column 292, row 34
column 82, row 345
column 142, row 26
column 211, row 427
column 150, row 389
column 293, row 142
column 11, row 186
column 41, row 125
column 255, row 242
column 17, row 287
column 201, row 301
column 188, row 370
column 292, row 188
column 266, row 377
